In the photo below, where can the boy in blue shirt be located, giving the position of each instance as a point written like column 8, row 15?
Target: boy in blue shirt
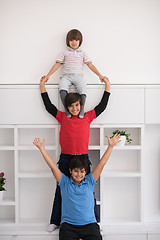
column 78, row 217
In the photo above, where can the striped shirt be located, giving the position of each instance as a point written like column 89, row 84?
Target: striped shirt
column 73, row 60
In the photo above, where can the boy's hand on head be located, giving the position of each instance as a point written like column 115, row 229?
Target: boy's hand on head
column 114, row 140
column 37, row 142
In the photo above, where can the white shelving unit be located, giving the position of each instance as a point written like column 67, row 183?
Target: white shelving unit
column 122, row 178
column 28, row 174
column 127, row 192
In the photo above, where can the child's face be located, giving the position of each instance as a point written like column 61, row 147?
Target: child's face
column 78, row 175
column 74, row 44
column 74, row 108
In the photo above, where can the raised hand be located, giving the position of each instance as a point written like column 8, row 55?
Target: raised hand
column 114, row 140
column 37, row 142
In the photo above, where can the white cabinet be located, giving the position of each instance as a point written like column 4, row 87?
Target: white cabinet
column 23, row 105
column 126, row 104
column 122, row 178
column 152, row 100
column 30, row 184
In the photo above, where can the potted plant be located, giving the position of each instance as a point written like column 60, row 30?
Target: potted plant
column 125, row 137
column 2, row 183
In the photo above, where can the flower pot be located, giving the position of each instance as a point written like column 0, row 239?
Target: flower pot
column 1, row 195
column 122, row 142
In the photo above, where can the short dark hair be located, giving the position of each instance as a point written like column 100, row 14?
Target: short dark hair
column 74, row 34
column 72, row 98
column 78, row 162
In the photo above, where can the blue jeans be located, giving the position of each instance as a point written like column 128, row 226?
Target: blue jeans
column 63, row 165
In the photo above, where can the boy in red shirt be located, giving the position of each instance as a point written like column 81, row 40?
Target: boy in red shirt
column 74, row 136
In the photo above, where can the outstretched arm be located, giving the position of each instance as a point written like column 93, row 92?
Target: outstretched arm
column 103, row 103
column 48, row 105
column 95, row 70
column 111, row 142
column 53, row 69
column 41, row 146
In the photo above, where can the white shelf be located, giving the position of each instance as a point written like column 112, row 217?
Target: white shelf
column 94, row 147
column 7, row 202
column 30, row 173
column 35, row 175
column 6, row 148
column 121, row 174
column 126, row 147
column 30, row 147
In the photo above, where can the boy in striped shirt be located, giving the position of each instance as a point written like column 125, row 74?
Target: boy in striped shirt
column 73, row 60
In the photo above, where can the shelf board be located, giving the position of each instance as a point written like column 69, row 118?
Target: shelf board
column 121, row 174
column 30, row 147
column 94, row 147
column 42, row 174
column 7, row 202
column 8, row 148
column 7, row 222
column 126, row 147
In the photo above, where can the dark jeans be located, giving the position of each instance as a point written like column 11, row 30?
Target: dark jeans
column 74, row 232
column 63, row 165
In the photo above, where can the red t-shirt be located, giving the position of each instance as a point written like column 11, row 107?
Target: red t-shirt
column 74, row 132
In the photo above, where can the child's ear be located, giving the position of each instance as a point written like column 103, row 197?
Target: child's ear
column 70, row 171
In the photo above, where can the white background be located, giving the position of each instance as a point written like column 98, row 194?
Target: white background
column 121, row 37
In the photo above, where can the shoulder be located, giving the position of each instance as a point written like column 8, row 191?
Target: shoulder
column 64, row 180
column 60, row 115
column 90, row 114
column 63, row 52
column 90, row 179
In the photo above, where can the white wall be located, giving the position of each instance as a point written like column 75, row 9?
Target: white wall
column 121, row 36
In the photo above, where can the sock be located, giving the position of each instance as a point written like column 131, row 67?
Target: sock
column 51, row 228
column 63, row 94
column 81, row 114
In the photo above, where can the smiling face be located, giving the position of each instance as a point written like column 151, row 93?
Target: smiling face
column 74, row 108
column 74, row 44
column 78, row 174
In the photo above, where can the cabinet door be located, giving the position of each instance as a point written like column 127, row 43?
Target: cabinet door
column 25, row 106
column 126, row 104
column 125, row 237
column 152, row 100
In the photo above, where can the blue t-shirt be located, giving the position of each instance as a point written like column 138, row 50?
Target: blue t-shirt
column 77, row 200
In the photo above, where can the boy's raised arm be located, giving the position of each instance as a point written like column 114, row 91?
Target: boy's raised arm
column 104, row 101
column 41, row 146
column 51, row 108
column 111, row 142
column 42, row 85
